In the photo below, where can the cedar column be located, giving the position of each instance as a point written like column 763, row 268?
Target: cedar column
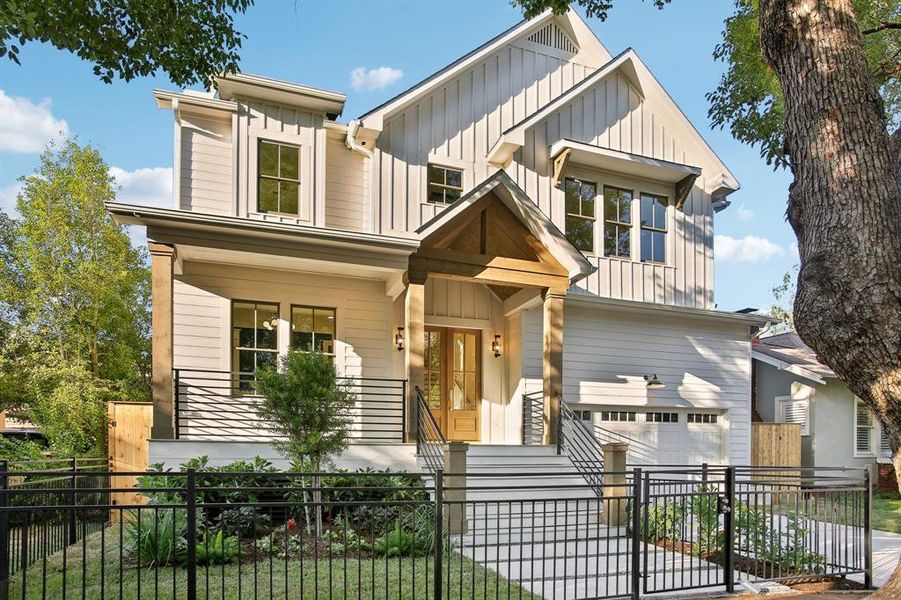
column 162, row 267
column 552, row 362
column 414, row 345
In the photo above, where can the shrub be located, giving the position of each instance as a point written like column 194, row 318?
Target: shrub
column 704, row 511
column 397, row 542
column 217, row 549
column 244, row 521
column 156, row 537
column 663, row 521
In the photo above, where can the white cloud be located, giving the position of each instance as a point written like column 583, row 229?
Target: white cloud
column 149, row 186
column 750, row 249
column 379, row 78
column 744, row 214
column 8, row 194
column 26, row 127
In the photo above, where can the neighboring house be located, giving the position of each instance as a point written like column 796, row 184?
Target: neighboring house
column 793, row 386
column 535, row 218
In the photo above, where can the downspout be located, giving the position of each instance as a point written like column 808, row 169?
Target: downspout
column 350, row 140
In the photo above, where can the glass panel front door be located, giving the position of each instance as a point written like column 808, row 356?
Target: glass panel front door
column 453, row 380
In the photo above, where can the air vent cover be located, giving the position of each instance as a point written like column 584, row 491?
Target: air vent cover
column 552, row 36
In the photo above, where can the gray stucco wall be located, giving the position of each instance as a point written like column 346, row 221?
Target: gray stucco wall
column 831, row 439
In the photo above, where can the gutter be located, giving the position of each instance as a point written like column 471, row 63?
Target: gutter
column 665, row 309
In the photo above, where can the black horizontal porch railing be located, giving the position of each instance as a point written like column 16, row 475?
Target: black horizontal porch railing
column 533, row 418
column 222, row 405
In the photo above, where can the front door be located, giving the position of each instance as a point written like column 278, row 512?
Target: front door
column 453, row 380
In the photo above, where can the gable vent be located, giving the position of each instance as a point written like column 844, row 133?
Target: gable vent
column 552, row 36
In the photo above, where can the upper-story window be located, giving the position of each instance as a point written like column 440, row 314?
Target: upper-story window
column 278, row 178
column 617, row 222
column 653, row 228
column 580, row 213
column 445, row 184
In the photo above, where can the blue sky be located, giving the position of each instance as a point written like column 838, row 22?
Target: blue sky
column 321, row 43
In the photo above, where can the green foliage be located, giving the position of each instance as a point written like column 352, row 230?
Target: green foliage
column 397, row 542
column 155, row 537
column 782, row 309
column 704, row 513
column 15, row 450
column 664, row 521
column 783, row 545
column 593, row 8
column 307, row 405
column 244, row 522
column 75, row 294
column 217, row 549
column 216, row 489
column 189, row 41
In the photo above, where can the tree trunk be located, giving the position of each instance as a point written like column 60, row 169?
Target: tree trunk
column 844, row 204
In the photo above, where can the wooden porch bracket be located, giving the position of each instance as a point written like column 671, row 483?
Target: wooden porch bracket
column 683, row 187
column 162, row 262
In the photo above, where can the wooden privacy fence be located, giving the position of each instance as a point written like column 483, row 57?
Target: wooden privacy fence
column 776, row 444
column 129, row 430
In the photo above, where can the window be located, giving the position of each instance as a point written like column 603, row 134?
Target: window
column 313, row 329
column 445, row 184
column 653, row 228
column 278, row 178
column 254, row 338
column 580, row 213
column 795, row 410
column 582, row 415
column 864, row 429
column 885, row 449
column 662, row 417
column 617, row 222
column 617, row 415
column 702, row 418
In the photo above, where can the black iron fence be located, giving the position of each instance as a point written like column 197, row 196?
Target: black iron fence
column 447, row 535
column 222, row 405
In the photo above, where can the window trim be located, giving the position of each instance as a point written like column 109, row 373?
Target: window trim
column 664, row 230
column 232, row 349
column 259, row 176
column 631, row 224
column 673, row 417
column 702, row 418
column 334, row 309
column 607, row 414
column 593, row 218
column 875, row 433
column 444, row 186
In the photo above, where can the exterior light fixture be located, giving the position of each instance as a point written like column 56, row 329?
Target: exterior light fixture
column 399, row 339
column 653, row 382
column 496, row 345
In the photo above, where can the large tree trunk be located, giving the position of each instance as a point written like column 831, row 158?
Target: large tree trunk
column 844, row 204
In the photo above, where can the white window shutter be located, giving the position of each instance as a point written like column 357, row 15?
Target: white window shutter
column 797, row 411
column 863, row 429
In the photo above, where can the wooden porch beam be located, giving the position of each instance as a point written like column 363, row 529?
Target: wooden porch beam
column 500, row 262
column 486, row 274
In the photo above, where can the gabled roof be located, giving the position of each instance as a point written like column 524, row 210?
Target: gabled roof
column 630, row 65
column 374, row 118
column 788, row 352
column 537, row 223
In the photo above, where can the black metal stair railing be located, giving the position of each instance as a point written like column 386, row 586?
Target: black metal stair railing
column 579, row 444
column 430, row 442
column 532, row 418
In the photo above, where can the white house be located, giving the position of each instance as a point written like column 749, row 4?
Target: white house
column 535, row 218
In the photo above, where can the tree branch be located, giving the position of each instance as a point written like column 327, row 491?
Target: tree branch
column 883, row 25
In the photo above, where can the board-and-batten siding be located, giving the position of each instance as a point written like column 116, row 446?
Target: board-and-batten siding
column 346, row 188
column 202, row 314
column 610, row 114
column 460, row 122
column 458, row 300
column 287, row 125
column 606, row 355
column 205, row 178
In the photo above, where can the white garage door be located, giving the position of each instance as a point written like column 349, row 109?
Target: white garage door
column 663, row 436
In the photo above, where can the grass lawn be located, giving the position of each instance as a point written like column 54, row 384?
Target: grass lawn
column 887, row 511
column 95, row 572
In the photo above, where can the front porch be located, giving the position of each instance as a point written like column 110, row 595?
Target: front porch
column 443, row 323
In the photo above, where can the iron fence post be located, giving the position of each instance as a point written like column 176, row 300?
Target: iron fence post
column 439, row 533
column 73, row 499
column 646, row 494
column 729, row 530
column 191, row 566
column 4, row 531
column 636, row 525
column 868, row 530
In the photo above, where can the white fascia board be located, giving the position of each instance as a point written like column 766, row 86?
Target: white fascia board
column 586, row 299
column 165, row 99
column 375, row 119
column 134, row 214
column 281, row 92
column 785, row 366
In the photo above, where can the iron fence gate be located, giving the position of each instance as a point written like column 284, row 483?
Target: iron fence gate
column 481, row 534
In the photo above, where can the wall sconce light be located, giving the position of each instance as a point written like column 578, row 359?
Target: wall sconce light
column 496, row 345
column 399, row 339
column 653, row 382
